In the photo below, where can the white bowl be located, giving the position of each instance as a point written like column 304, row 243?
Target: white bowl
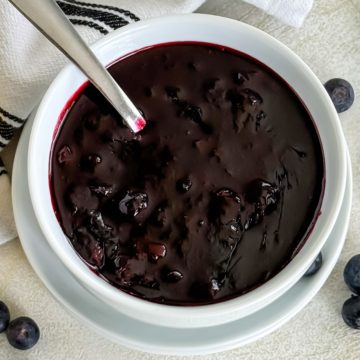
column 209, row 29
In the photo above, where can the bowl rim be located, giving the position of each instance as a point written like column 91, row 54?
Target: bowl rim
column 251, row 299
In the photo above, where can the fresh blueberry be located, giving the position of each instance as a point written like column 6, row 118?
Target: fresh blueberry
column 341, row 94
column 351, row 312
column 352, row 274
column 4, row 317
column 23, row 333
column 315, row 266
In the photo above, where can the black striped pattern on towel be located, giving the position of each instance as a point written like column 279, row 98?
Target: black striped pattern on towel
column 2, row 168
column 8, row 124
column 102, row 18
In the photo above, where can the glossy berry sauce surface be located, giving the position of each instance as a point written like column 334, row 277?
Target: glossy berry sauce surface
column 213, row 198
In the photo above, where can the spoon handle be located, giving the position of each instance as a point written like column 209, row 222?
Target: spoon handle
column 47, row 16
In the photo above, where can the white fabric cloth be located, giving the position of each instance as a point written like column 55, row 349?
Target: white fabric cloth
column 292, row 12
column 28, row 61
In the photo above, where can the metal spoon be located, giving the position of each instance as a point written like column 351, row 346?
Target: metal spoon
column 47, row 16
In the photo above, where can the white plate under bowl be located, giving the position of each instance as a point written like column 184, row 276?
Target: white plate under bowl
column 208, row 29
column 132, row 333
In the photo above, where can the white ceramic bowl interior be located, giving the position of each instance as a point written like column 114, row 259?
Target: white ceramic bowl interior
column 210, row 29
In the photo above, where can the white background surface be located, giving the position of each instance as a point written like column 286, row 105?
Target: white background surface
column 329, row 42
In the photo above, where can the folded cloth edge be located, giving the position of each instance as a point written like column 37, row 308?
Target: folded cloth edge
column 291, row 12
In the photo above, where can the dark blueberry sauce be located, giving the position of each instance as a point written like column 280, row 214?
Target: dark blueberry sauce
column 212, row 199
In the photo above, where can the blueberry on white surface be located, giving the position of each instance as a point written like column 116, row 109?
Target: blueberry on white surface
column 352, row 274
column 341, row 93
column 23, row 333
column 4, row 317
column 315, row 266
column 351, row 312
